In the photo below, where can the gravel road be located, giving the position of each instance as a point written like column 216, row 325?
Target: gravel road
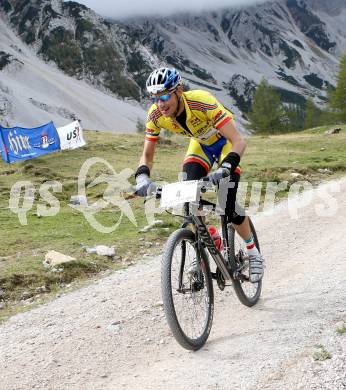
column 112, row 334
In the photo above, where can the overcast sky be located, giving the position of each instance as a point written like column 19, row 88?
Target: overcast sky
column 120, row 8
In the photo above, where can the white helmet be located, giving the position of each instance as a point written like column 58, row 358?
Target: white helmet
column 163, row 79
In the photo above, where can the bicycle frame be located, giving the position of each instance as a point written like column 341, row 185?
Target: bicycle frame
column 203, row 237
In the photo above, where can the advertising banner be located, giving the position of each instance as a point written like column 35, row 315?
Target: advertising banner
column 71, row 136
column 19, row 144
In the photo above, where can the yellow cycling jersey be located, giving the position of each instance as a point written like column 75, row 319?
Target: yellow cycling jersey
column 204, row 117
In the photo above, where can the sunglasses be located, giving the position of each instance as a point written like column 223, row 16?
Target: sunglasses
column 163, row 98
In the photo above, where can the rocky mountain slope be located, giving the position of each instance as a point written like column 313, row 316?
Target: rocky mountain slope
column 33, row 92
column 294, row 44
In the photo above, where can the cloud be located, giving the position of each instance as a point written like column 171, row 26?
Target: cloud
column 131, row 8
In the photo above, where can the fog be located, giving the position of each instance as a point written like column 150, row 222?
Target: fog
column 132, row 8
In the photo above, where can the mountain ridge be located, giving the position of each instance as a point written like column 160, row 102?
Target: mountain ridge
column 294, row 44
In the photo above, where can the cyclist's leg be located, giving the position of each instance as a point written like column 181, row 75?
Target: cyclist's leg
column 235, row 213
column 228, row 190
column 239, row 220
column 256, row 260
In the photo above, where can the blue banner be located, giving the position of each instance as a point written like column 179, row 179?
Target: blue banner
column 19, row 144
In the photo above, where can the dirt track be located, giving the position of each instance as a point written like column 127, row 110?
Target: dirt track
column 113, row 335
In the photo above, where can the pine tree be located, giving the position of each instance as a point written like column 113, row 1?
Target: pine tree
column 312, row 115
column 338, row 97
column 267, row 114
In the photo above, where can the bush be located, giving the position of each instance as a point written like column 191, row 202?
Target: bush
column 140, row 126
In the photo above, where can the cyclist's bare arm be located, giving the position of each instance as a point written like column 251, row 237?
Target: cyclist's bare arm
column 230, row 132
column 148, row 154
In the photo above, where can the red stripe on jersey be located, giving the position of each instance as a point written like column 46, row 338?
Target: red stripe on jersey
column 201, row 107
column 200, row 103
column 226, row 120
column 155, row 115
column 151, row 139
column 220, row 118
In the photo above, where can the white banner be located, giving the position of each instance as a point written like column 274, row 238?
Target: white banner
column 71, row 136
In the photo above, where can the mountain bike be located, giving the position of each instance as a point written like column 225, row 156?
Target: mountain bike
column 188, row 297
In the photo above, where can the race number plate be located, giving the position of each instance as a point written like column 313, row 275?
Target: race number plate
column 175, row 194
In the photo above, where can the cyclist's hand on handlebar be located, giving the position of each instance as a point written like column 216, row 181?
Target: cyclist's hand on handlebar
column 221, row 173
column 144, row 186
column 154, row 191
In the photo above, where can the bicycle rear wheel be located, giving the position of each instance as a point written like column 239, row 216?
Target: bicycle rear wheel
column 247, row 292
column 188, row 299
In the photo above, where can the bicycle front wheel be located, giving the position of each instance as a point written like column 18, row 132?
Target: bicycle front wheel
column 187, row 290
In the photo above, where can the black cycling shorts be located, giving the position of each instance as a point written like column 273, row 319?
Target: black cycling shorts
column 195, row 171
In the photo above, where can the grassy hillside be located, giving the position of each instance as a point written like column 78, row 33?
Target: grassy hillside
column 22, row 248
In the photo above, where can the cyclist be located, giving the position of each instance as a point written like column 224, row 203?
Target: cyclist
column 213, row 138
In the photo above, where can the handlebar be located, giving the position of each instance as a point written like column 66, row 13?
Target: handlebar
column 206, row 185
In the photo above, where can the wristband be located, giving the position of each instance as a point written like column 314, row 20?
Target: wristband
column 142, row 169
column 232, row 158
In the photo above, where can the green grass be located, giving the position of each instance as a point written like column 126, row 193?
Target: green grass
column 341, row 330
column 22, row 248
column 321, row 354
column 276, row 156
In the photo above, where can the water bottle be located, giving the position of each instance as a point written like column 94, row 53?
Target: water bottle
column 216, row 237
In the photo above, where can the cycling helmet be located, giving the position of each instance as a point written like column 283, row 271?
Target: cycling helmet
column 163, row 79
